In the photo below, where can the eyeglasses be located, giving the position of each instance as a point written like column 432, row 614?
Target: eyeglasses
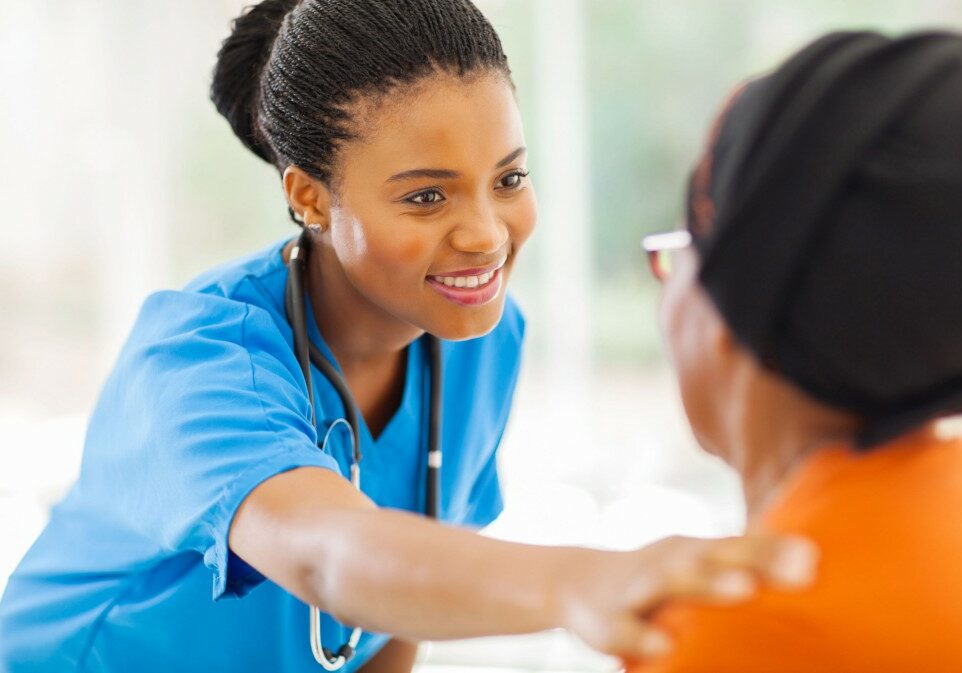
column 658, row 248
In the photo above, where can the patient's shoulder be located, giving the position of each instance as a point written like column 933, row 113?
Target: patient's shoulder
column 889, row 590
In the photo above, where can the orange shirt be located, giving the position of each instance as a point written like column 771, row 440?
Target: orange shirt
column 889, row 592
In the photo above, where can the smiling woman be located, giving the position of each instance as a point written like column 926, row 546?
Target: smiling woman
column 437, row 189
column 395, row 131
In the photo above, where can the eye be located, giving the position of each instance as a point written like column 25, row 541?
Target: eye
column 512, row 180
column 428, row 197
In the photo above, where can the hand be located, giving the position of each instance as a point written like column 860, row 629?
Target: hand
column 609, row 596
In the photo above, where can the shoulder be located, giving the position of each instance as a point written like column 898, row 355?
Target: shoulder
column 238, row 302
column 761, row 638
column 200, row 367
column 228, row 278
column 174, row 317
column 185, row 339
column 884, row 555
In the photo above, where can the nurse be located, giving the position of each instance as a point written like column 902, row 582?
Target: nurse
column 206, row 517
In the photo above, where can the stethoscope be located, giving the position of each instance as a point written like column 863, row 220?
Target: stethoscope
column 307, row 353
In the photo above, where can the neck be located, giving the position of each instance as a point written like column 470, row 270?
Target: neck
column 768, row 463
column 779, row 427
column 360, row 334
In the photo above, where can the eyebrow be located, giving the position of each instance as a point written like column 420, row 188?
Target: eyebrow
column 444, row 174
column 511, row 157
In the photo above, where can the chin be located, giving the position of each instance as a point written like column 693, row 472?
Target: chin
column 700, row 422
column 711, row 445
column 469, row 324
column 706, row 444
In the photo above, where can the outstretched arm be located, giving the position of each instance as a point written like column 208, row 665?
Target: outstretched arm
column 312, row 533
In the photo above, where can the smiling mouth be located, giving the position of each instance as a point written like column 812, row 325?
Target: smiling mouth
column 470, row 288
column 470, row 278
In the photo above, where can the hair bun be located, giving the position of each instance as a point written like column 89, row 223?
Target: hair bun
column 240, row 62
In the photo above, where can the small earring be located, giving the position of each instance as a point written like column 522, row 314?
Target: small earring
column 315, row 229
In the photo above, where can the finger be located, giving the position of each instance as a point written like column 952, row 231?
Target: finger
column 635, row 640
column 653, row 643
column 788, row 561
column 715, row 587
column 724, row 585
column 684, row 573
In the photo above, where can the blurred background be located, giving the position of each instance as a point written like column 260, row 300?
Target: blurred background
column 117, row 178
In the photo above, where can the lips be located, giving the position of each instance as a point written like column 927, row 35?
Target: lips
column 470, row 287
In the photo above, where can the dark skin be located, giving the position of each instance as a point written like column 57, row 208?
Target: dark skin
column 380, row 239
column 381, row 390
column 435, row 185
column 398, row 656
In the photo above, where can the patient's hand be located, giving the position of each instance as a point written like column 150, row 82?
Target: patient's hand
column 611, row 596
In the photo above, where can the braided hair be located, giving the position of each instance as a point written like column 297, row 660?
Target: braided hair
column 288, row 74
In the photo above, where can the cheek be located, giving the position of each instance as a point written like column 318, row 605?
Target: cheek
column 671, row 317
column 688, row 348
column 523, row 218
column 380, row 249
column 411, row 252
column 349, row 239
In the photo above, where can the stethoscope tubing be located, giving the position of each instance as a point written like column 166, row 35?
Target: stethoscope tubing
column 306, row 351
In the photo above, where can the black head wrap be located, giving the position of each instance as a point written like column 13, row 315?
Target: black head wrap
column 828, row 216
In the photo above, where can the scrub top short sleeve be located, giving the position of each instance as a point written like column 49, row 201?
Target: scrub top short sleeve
column 211, row 408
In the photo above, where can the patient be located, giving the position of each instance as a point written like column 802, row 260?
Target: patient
column 814, row 318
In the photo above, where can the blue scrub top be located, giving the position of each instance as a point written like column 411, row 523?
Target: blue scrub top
column 207, row 401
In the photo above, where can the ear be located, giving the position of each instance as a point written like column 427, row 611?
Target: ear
column 724, row 338
column 309, row 197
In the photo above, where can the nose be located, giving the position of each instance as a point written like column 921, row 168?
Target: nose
column 481, row 230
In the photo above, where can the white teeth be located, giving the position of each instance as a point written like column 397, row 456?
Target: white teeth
column 470, row 282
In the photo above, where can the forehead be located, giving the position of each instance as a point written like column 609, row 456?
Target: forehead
column 442, row 121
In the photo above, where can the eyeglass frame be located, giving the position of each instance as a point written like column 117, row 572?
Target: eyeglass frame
column 667, row 241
